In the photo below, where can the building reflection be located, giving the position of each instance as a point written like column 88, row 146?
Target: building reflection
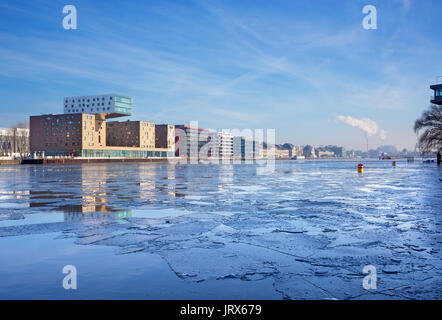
column 77, row 213
column 97, row 191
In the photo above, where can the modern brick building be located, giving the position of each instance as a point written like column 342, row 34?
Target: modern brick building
column 139, row 134
column 165, row 136
column 87, row 134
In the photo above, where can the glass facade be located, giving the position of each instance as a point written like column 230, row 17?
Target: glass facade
column 123, row 104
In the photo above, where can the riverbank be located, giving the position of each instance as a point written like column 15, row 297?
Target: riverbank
column 89, row 160
column 10, row 162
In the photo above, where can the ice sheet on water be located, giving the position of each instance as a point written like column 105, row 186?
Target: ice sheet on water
column 310, row 227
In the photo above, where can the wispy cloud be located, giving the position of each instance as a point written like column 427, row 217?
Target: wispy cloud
column 285, row 65
column 368, row 126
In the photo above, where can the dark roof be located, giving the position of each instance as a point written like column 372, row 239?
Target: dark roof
column 436, row 86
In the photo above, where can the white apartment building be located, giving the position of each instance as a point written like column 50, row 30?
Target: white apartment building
column 112, row 105
column 224, row 144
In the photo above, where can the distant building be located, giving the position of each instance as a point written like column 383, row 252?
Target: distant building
column 309, row 152
column 325, row 154
column 281, row 152
column 388, row 149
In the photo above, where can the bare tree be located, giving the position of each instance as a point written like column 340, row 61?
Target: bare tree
column 431, row 124
column 20, row 138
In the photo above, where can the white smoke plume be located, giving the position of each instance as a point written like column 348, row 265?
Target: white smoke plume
column 367, row 125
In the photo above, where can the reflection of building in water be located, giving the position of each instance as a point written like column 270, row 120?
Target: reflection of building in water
column 226, row 173
column 171, row 181
column 147, row 175
column 155, row 181
column 76, row 213
column 93, row 187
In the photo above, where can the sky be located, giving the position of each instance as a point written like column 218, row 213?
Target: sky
column 307, row 69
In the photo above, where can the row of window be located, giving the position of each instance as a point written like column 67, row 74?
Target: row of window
column 86, row 105
column 86, row 99
column 57, row 144
column 59, row 117
column 82, row 110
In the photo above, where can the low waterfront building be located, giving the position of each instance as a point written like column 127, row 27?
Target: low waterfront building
column 85, row 135
column 282, row 153
column 326, row 154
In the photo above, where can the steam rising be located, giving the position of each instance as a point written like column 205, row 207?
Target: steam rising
column 368, row 126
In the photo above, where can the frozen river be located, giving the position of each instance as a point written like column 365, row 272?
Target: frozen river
column 164, row 231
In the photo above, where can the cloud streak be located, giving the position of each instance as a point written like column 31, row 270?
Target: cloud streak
column 368, row 126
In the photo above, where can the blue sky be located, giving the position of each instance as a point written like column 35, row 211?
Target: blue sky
column 290, row 65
